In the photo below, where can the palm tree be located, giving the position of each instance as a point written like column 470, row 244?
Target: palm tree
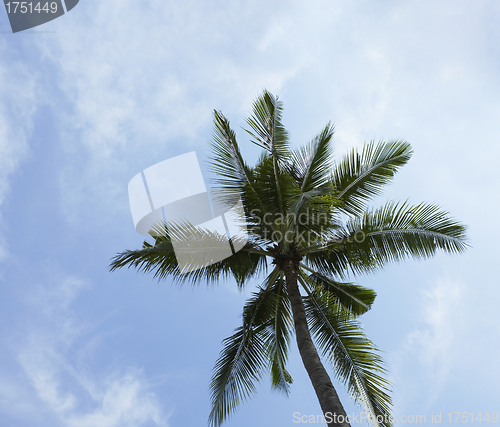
column 308, row 225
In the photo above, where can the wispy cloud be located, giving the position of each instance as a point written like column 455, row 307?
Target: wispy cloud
column 18, row 102
column 17, row 105
column 434, row 342
column 142, row 80
column 58, row 380
column 430, row 352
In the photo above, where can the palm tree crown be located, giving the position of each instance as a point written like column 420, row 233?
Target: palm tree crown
column 308, row 225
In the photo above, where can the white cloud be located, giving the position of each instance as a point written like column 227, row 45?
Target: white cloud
column 58, row 381
column 18, row 100
column 124, row 401
column 143, row 80
column 430, row 353
column 17, row 105
column 434, row 343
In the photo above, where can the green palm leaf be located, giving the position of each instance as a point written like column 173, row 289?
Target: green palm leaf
column 243, row 357
column 160, row 258
column 391, row 233
column 360, row 176
column 268, row 131
column 355, row 359
column 311, row 164
column 396, row 231
column 226, row 160
column 357, row 299
column 237, row 369
column 331, row 258
column 277, row 333
column 233, row 175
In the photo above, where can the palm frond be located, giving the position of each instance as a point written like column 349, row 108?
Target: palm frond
column 357, row 299
column 243, row 357
column 390, row 233
column 354, row 357
column 313, row 217
column 311, row 164
column 161, row 260
column 278, row 332
column 268, row 131
column 233, row 175
column 331, row 258
column 226, row 160
column 399, row 230
column 360, row 176
column 237, row 369
column 265, row 219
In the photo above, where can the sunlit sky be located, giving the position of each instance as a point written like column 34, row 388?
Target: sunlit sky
column 92, row 98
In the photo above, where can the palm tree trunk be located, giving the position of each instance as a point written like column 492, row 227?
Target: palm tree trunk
column 328, row 399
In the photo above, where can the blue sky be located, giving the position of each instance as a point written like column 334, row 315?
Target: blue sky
column 114, row 87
